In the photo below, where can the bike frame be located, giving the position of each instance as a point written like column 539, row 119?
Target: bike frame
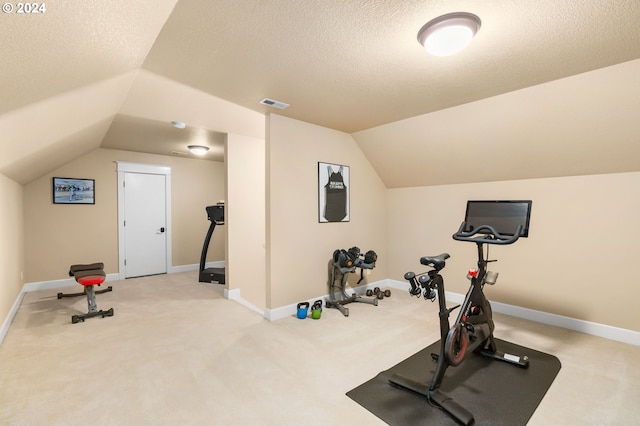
column 482, row 322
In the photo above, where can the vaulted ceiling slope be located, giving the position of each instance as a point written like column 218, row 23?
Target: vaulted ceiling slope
column 66, row 72
column 85, row 74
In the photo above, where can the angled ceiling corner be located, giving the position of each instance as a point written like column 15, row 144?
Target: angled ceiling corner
column 156, row 97
column 62, row 89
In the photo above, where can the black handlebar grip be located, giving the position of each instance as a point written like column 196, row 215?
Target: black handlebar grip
column 498, row 238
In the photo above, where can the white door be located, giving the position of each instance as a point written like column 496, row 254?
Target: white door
column 145, row 222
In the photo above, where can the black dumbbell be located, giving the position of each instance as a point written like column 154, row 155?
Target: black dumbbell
column 380, row 294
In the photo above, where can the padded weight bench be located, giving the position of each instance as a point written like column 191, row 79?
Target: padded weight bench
column 89, row 276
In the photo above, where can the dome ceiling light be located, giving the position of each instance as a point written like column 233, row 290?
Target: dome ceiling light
column 449, row 34
column 198, row 149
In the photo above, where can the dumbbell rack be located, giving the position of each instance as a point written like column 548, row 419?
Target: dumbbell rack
column 338, row 296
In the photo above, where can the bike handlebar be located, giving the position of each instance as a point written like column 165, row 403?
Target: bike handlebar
column 491, row 237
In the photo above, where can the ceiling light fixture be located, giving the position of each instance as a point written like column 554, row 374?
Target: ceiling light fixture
column 178, row 124
column 198, row 149
column 449, row 34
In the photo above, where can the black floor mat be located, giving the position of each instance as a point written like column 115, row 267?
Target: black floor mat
column 495, row 392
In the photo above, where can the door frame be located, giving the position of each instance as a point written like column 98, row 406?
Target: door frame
column 123, row 167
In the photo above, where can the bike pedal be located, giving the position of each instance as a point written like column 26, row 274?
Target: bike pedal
column 435, row 357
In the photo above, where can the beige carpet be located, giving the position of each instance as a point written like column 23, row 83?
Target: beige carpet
column 177, row 353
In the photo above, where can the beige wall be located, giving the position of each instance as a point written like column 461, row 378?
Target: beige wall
column 586, row 124
column 57, row 236
column 579, row 259
column 298, row 247
column 577, row 262
column 245, row 160
column 12, row 264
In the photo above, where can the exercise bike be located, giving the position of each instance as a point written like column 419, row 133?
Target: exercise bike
column 472, row 332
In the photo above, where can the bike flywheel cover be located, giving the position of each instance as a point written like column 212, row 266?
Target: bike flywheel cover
column 456, row 344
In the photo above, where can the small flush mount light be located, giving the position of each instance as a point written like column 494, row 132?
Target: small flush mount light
column 449, row 34
column 178, row 124
column 198, row 149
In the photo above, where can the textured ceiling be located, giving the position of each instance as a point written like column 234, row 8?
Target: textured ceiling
column 352, row 65
column 152, row 136
column 72, row 44
column 114, row 74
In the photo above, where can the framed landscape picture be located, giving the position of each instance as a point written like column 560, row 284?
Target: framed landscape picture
column 73, row 191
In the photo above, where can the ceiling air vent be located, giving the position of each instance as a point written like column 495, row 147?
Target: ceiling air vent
column 274, row 103
column 182, row 154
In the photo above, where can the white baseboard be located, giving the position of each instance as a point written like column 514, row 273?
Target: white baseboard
column 587, row 327
column 67, row 282
column 601, row 330
column 195, row 267
column 70, row 282
column 12, row 313
column 182, row 268
column 291, row 310
column 595, row 329
column 234, row 294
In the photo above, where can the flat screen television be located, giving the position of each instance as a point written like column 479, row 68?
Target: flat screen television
column 502, row 215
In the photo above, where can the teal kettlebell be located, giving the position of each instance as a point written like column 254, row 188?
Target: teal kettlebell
column 303, row 309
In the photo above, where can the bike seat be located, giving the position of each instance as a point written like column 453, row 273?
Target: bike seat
column 436, row 261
